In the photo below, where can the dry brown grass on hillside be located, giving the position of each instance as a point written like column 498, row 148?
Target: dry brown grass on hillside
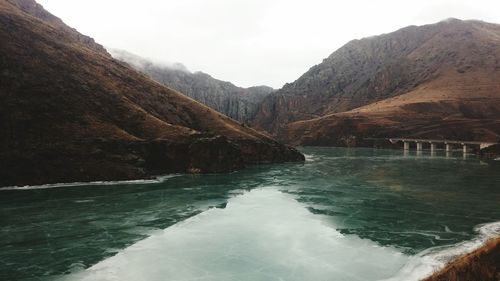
column 482, row 264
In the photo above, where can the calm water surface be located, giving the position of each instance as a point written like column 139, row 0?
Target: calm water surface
column 346, row 214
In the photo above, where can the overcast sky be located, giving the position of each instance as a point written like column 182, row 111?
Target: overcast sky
column 252, row 42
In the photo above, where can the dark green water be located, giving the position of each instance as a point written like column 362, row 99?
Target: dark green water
column 400, row 205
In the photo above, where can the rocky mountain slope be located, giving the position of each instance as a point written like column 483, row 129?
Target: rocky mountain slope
column 236, row 102
column 70, row 112
column 438, row 80
column 36, row 10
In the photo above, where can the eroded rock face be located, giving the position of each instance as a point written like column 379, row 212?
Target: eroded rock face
column 107, row 159
column 443, row 74
column 236, row 102
column 69, row 112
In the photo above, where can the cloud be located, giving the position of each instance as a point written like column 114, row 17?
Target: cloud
column 142, row 62
column 252, row 42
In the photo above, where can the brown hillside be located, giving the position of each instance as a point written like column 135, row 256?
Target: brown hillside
column 69, row 112
column 238, row 103
column 438, row 80
column 482, row 264
column 36, row 10
column 454, row 106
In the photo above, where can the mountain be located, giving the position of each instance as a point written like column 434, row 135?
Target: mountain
column 70, row 112
column 238, row 103
column 36, row 10
column 432, row 81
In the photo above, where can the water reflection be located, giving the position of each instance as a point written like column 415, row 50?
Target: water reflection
column 405, row 200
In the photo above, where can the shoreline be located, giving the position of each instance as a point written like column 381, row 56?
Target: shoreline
column 152, row 180
column 482, row 263
column 434, row 260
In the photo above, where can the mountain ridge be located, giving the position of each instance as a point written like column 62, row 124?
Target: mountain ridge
column 236, row 102
column 374, row 69
column 71, row 112
column 36, row 10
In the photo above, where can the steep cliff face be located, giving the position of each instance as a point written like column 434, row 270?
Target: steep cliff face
column 235, row 102
column 70, row 112
column 447, row 73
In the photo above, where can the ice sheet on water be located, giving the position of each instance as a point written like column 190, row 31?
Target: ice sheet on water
column 260, row 235
column 158, row 179
column 425, row 263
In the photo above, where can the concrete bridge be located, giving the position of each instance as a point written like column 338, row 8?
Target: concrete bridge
column 448, row 144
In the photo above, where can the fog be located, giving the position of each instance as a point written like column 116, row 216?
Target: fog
column 251, row 42
column 141, row 62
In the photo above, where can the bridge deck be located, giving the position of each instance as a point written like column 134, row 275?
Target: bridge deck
column 441, row 141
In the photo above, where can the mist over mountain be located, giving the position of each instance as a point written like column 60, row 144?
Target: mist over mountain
column 236, row 102
column 434, row 81
column 70, row 112
column 120, row 167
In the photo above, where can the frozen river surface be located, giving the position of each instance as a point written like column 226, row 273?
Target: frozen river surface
column 346, row 214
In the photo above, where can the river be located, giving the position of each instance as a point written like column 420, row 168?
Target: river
column 345, row 214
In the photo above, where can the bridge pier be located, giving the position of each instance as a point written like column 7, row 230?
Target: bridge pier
column 465, row 149
column 406, row 145
column 419, row 146
column 448, row 147
column 433, row 147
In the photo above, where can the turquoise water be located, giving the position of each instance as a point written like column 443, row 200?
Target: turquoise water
column 346, row 214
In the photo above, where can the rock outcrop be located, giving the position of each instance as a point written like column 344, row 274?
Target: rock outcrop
column 236, row 102
column 70, row 112
column 436, row 81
